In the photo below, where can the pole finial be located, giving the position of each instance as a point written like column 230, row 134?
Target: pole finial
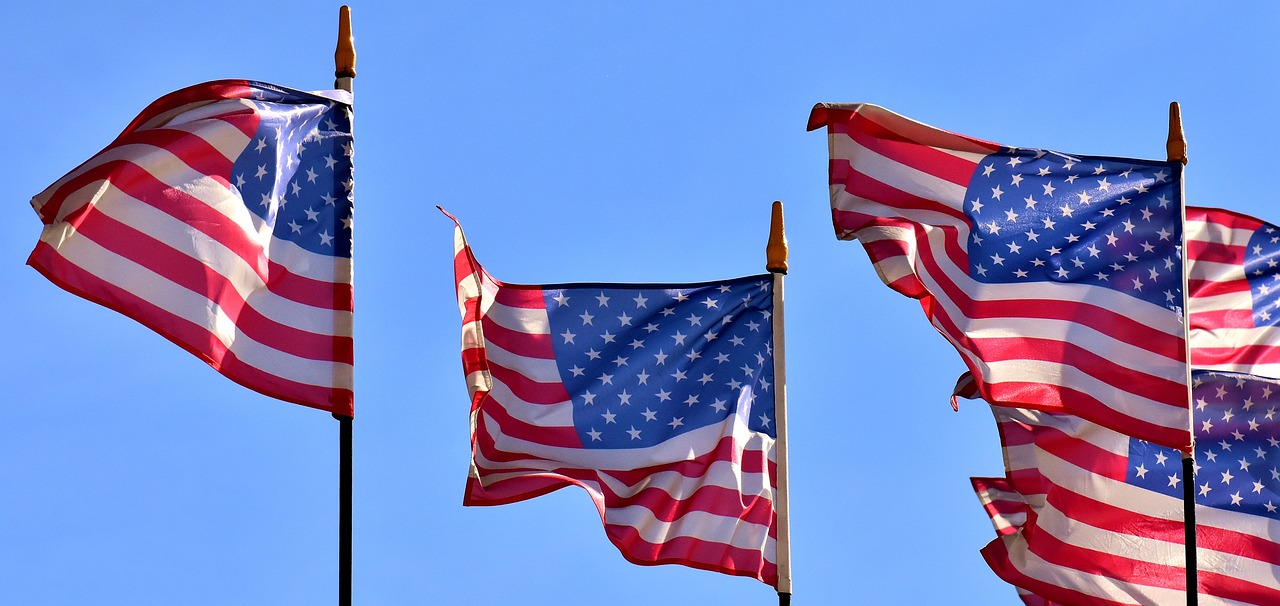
column 776, row 250
column 1176, row 146
column 344, row 57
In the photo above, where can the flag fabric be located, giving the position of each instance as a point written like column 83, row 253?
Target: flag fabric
column 221, row 218
column 1234, row 287
column 655, row 399
column 1087, row 515
column 1056, row 277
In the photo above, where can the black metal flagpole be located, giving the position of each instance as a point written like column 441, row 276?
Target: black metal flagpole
column 1176, row 147
column 344, row 62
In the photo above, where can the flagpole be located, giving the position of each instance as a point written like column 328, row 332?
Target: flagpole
column 776, row 254
column 344, row 62
column 1176, row 148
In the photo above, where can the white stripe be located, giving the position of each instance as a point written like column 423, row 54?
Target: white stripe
column 1242, row 301
column 242, row 277
column 177, row 300
column 927, row 219
column 519, row 319
column 698, row 525
column 679, row 448
column 896, row 175
column 1143, row 503
column 1217, row 234
column 161, row 164
column 558, row 415
column 1215, row 271
column 302, row 262
column 535, row 369
column 1037, row 568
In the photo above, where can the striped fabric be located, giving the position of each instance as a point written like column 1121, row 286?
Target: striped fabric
column 656, row 400
column 1234, row 283
column 1075, row 524
column 221, row 219
column 1056, row 277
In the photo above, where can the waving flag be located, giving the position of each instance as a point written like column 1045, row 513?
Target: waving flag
column 1234, row 284
column 221, row 219
column 655, row 399
column 1056, row 277
column 1090, row 516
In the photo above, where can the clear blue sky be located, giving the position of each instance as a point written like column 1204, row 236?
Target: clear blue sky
column 581, row 142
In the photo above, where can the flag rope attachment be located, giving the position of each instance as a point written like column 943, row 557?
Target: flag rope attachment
column 1176, row 149
column 344, row 72
column 776, row 263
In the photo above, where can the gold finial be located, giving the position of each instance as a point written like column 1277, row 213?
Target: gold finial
column 344, row 58
column 1176, row 146
column 776, row 250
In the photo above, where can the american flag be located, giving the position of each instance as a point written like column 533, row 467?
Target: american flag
column 1234, row 287
column 658, row 400
column 221, row 218
column 1086, row 515
column 1056, row 277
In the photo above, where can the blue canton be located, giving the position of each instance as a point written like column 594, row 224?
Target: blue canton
column 1039, row 216
column 296, row 174
column 1237, row 452
column 643, row 364
column 1262, row 268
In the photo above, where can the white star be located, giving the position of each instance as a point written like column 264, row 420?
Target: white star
column 635, row 433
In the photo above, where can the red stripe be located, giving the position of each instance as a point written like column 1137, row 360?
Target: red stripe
column 511, row 490
column 1227, row 218
column 187, row 335
column 206, row 92
column 529, row 345
column 714, row 500
column 1211, row 320
column 527, row 389
column 202, row 280
column 309, row 291
column 473, row 360
column 136, row 182
column 1217, row 252
column 1241, row 354
column 1065, row 399
column 907, row 151
column 561, row 437
column 191, row 149
column 1209, row 288
column 998, row 558
column 694, row 553
column 868, row 187
column 518, row 295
